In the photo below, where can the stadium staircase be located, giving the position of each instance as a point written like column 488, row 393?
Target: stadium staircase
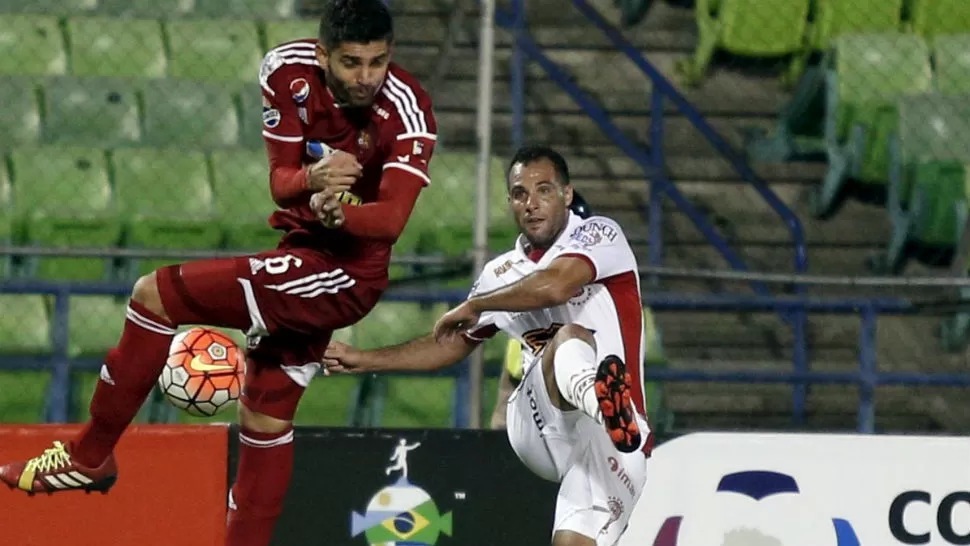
column 734, row 102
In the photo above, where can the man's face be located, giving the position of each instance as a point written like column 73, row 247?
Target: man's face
column 540, row 201
column 355, row 71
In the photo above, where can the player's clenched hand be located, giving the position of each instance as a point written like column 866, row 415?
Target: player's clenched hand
column 455, row 322
column 337, row 172
column 327, row 208
column 341, row 358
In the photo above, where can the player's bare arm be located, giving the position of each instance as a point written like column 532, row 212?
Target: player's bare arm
column 421, row 354
column 549, row 287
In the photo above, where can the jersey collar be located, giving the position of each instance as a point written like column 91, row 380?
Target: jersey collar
column 522, row 245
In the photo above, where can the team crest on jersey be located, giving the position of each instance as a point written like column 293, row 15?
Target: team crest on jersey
column 317, row 149
column 300, row 90
column 271, row 117
column 363, row 141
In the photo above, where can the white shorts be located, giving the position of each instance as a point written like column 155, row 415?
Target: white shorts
column 599, row 486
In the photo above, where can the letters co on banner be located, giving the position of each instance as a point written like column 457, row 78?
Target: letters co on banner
column 805, row 490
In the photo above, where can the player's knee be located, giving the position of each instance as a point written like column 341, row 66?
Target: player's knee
column 146, row 293
column 260, row 422
column 571, row 538
column 573, row 331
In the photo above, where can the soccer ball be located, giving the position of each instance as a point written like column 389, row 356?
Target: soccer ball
column 204, row 372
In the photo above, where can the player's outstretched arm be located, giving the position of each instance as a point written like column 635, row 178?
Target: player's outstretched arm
column 549, row 287
column 421, row 354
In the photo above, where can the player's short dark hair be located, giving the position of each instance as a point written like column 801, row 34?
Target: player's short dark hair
column 359, row 21
column 532, row 153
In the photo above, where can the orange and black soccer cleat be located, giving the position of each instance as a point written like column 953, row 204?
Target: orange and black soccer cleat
column 55, row 471
column 619, row 413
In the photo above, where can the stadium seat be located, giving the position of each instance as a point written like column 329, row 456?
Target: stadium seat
column 24, row 328
column 149, row 9
column 214, row 49
column 109, row 46
column 753, row 28
column 278, row 32
column 94, row 324
column 834, row 18
column 927, row 195
column 932, row 18
column 189, row 114
column 952, row 64
column 49, row 217
column 246, row 9
column 240, row 186
column 871, row 73
column 251, row 118
column 23, row 395
column 166, row 199
column 31, row 45
column 48, row 7
column 447, row 206
column 6, row 220
column 20, row 117
column 91, row 112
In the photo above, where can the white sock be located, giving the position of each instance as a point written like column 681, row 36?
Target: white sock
column 574, row 365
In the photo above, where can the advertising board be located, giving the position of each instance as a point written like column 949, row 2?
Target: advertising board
column 805, row 490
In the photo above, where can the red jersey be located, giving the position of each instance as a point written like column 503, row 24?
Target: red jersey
column 393, row 140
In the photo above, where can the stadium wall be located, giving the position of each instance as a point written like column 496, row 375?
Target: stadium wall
column 467, row 487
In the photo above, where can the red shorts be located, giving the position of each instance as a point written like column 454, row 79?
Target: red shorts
column 288, row 301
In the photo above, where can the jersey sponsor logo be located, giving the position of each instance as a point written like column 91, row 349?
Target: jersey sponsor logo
column 536, row 416
column 300, row 90
column 617, row 469
column 402, row 512
column 594, row 233
column 271, row 117
column 381, row 112
column 503, row 269
column 198, row 365
column 318, row 150
column 537, row 339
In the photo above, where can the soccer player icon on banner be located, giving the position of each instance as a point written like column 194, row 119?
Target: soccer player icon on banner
column 400, row 457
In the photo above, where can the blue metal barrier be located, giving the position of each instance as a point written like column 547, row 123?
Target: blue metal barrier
column 867, row 377
column 652, row 162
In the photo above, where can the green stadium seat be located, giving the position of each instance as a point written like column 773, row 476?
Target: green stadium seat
column 449, row 203
column 246, row 9
column 189, row 114
column 932, row 18
column 48, row 7
column 31, row 45
column 110, row 46
column 393, row 322
column 166, row 200
column 6, row 220
column 952, row 64
column 24, row 327
column 24, row 392
column 215, row 49
column 926, row 189
column 20, row 117
column 251, row 118
column 85, row 216
column 279, row 32
column 149, row 9
column 91, row 112
column 753, row 28
column 834, row 18
column 871, row 73
column 240, row 185
column 94, row 324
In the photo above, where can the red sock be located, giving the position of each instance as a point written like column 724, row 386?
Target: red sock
column 262, row 478
column 127, row 378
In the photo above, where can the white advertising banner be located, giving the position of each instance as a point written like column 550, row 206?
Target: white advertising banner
column 713, row 489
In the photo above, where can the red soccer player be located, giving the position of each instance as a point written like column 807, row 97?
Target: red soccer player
column 340, row 121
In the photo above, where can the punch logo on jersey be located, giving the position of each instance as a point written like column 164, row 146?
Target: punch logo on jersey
column 401, row 513
column 300, row 90
column 593, row 233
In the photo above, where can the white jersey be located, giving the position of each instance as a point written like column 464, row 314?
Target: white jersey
column 610, row 306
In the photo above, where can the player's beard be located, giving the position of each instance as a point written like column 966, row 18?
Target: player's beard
column 343, row 95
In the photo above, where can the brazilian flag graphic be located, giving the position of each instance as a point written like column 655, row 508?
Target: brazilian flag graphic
column 401, row 514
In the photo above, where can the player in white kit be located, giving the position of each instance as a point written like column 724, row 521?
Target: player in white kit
column 570, row 292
